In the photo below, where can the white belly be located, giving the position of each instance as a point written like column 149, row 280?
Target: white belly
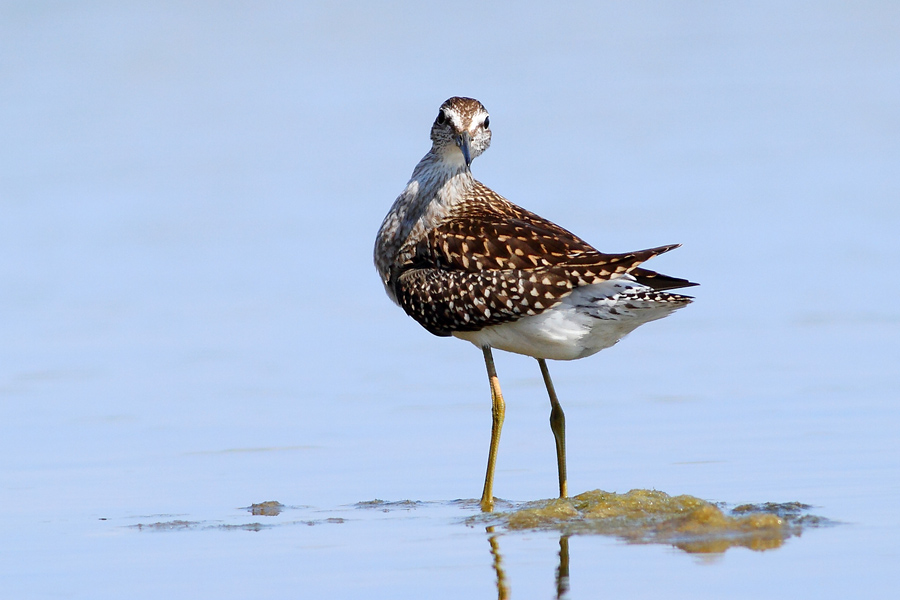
column 588, row 320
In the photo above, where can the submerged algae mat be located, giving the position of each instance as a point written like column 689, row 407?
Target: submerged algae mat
column 653, row 517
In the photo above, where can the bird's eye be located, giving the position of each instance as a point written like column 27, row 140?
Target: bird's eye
column 441, row 118
column 487, row 122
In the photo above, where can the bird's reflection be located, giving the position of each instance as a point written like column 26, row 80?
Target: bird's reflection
column 562, row 569
column 685, row 522
column 502, row 586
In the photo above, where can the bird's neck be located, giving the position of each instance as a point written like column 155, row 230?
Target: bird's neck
column 438, row 183
column 443, row 179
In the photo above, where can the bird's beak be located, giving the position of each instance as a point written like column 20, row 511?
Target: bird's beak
column 463, row 141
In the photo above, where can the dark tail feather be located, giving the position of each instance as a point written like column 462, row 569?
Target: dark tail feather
column 658, row 281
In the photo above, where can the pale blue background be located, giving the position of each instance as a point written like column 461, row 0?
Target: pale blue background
column 190, row 322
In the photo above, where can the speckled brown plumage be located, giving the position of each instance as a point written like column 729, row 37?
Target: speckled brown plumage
column 458, row 257
column 490, row 261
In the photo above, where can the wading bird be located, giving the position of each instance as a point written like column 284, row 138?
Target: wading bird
column 463, row 261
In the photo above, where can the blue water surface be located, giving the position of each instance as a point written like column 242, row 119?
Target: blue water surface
column 190, row 321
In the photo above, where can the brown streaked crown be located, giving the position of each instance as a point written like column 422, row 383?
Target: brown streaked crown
column 459, row 115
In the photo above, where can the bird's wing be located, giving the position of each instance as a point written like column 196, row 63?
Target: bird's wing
column 483, row 267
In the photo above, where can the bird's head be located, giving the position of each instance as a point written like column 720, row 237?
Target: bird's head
column 461, row 130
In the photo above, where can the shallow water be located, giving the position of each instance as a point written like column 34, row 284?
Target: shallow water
column 190, row 325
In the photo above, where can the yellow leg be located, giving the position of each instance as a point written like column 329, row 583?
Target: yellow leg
column 558, row 425
column 498, row 411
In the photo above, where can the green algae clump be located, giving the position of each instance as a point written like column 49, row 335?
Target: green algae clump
column 270, row 508
column 554, row 511
column 651, row 516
